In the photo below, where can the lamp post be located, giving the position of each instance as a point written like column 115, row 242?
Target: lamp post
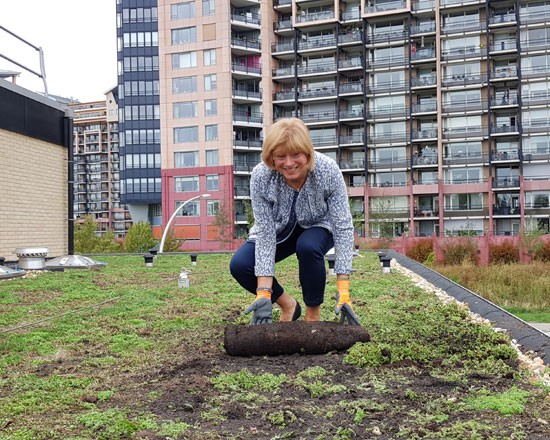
column 179, row 208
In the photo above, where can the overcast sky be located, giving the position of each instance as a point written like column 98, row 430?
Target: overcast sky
column 78, row 38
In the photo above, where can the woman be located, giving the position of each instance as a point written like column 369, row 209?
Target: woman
column 300, row 206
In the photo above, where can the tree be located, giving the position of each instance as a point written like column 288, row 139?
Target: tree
column 139, row 238
column 382, row 217
column 88, row 241
column 224, row 223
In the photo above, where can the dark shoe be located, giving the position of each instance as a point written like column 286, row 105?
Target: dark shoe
column 297, row 311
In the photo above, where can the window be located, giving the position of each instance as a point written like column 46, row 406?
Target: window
column 210, row 82
column 191, row 209
column 211, row 132
column 181, row 11
column 464, row 175
column 213, row 183
column 185, row 109
column 186, row 184
column 186, row 159
column 212, row 158
column 209, row 57
column 185, row 84
column 184, row 60
column 210, row 107
column 186, row 134
column 458, row 202
column 212, row 207
column 184, row 35
column 208, row 7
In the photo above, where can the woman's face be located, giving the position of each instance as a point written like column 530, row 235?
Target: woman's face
column 293, row 167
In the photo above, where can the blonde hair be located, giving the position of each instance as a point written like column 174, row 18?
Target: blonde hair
column 290, row 135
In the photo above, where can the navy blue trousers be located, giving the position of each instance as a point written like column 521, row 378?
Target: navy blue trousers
column 309, row 245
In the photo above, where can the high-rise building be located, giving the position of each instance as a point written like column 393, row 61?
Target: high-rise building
column 139, row 109
column 437, row 111
column 96, row 186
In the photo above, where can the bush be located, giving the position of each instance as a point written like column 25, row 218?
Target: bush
column 87, row 241
column 139, row 238
column 420, row 250
column 504, row 253
column 542, row 252
column 458, row 251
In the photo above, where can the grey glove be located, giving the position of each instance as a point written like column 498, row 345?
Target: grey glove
column 263, row 311
column 344, row 309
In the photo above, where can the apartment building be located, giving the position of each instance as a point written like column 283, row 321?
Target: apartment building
column 437, row 111
column 139, row 111
column 96, row 189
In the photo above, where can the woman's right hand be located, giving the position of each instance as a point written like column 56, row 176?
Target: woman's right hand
column 262, row 308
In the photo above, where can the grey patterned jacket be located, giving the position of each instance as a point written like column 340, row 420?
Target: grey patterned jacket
column 322, row 202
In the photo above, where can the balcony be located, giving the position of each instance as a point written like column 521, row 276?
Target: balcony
column 423, row 5
column 463, row 132
column 325, row 116
column 350, row 37
column 536, row 155
column 425, row 107
column 287, row 95
column 352, row 165
column 511, row 99
column 317, row 42
column 387, row 61
column 351, row 114
column 247, row 18
column 316, row 16
column 247, row 117
column 349, row 88
column 466, row 211
column 536, row 98
column 424, row 81
column 282, row 4
column 430, row 133
column 246, row 43
column 430, row 160
column 283, row 72
column 423, row 28
column 244, row 166
column 503, row 46
column 248, row 143
column 280, row 48
column 463, row 53
column 464, row 106
column 386, row 37
column 388, row 112
column 538, row 16
column 503, row 19
column 325, row 141
column 349, row 63
column 246, row 94
column 424, row 54
column 505, row 155
column 391, row 163
column 352, row 139
column 465, row 158
column 463, row 26
column 321, row 92
column 506, row 182
column 386, row 6
column 242, row 191
column 282, row 25
column 350, row 16
column 317, row 68
column 241, row 68
column 504, row 129
column 393, row 86
column 504, row 72
column 459, row 2
column 506, row 210
column 464, row 79
column 389, row 138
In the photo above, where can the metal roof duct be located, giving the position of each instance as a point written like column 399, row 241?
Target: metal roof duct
column 8, row 272
column 74, row 262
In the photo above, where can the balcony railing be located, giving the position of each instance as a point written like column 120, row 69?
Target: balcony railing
column 469, row 211
column 320, row 117
column 425, row 134
column 351, row 87
column 350, row 15
column 511, row 99
column 247, row 94
column 509, row 17
column 459, row 80
column 317, row 93
column 325, row 141
column 282, row 47
column 423, row 28
column 316, row 16
column 352, row 139
column 282, row 2
column 352, row 164
column 388, row 184
column 465, row 158
column 424, row 81
column 532, row 155
column 503, row 45
column 421, row 5
column 249, row 43
column 425, row 107
column 540, row 16
column 242, row 191
column 250, row 117
column 383, row 138
column 399, row 162
column 423, row 54
column 463, row 52
column 386, row 6
column 349, row 63
column 246, row 17
column 255, row 70
column 503, row 155
column 463, row 26
column 394, row 86
column 248, row 143
column 284, row 96
column 504, row 129
column 383, row 37
column 316, row 68
column 506, row 182
column 350, row 37
column 283, row 25
column 394, row 111
column 504, row 72
column 246, row 166
column 542, row 97
column 317, row 42
column 464, row 106
column 284, row 71
column 387, row 61
column 351, row 114
column 456, row 132
column 467, row 180
column 425, row 160
column 506, row 210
